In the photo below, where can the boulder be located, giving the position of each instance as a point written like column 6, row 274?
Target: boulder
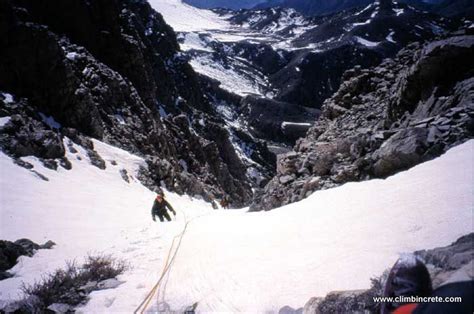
column 47, row 245
column 383, row 120
column 29, row 246
column 9, row 253
column 401, row 151
column 453, row 256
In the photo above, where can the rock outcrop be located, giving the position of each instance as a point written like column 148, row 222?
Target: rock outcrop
column 112, row 70
column 383, row 120
column 10, row 251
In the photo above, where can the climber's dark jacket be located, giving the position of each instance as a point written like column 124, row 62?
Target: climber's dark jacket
column 159, row 208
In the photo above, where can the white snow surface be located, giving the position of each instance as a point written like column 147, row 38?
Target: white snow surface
column 284, row 124
column 229, row 78
column 390, row 37
column 366, row 42
column 7, row 98
column 4, row 120
column 229, row 260
column 185, row 18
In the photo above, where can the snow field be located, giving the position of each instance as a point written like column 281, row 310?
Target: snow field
column 334, row 240
column 185, row 18
column 87, row 211
column 230, row 261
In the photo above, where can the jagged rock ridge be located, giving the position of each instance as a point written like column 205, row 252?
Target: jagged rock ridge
column 292, row 62
column 112, row 70
column 383, row 120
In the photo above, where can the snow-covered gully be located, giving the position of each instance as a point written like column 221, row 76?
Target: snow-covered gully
column 228, row 260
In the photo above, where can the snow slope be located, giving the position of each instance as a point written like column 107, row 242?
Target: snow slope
column 85, row 210
column 334, row 240
column 185, row 18
column 230, row 260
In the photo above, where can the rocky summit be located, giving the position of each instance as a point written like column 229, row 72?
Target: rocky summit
column 383, row 120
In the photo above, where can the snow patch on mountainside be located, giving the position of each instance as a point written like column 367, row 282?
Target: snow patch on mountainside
column 185, row 18
column 229, row 78
column 366, row 42
column 87, row 211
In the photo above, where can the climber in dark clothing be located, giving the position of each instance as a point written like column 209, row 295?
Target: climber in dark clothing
column 160, row 208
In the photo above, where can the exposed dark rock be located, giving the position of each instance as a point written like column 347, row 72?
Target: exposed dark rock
column 401, row 151
column 319, row 74
column 267, row 118
column 40, row 175
column 124, row 175
column 65, row 163
column 5, row 275
column 95, row 159
column 9, row 252
column 328, row 45
column 50, row 163
column 289, row 310
column 23, row 164
column 47, row 245
column 112, row 70
column 310, row 7
column 24, row 136
column 451, row 257
column 29, row 246
column 28, row 305
column 383, row 120
column 355, row 301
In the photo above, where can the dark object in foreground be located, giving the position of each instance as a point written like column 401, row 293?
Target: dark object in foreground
column 411, row 279
column 408, row 277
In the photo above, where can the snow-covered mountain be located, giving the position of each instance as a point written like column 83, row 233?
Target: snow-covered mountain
column 284, row 64
column 314, row 7
column 449, row 8
column 229, row 4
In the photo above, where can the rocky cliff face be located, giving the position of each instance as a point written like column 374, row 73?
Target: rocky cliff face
column 296, row 62
column 383, row 120
column 112, row 70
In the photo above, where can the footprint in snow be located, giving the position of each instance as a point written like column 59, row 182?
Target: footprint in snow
column 130, row 249
column 109, row 301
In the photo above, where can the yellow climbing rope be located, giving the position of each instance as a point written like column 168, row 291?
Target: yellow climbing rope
column 145, row 303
